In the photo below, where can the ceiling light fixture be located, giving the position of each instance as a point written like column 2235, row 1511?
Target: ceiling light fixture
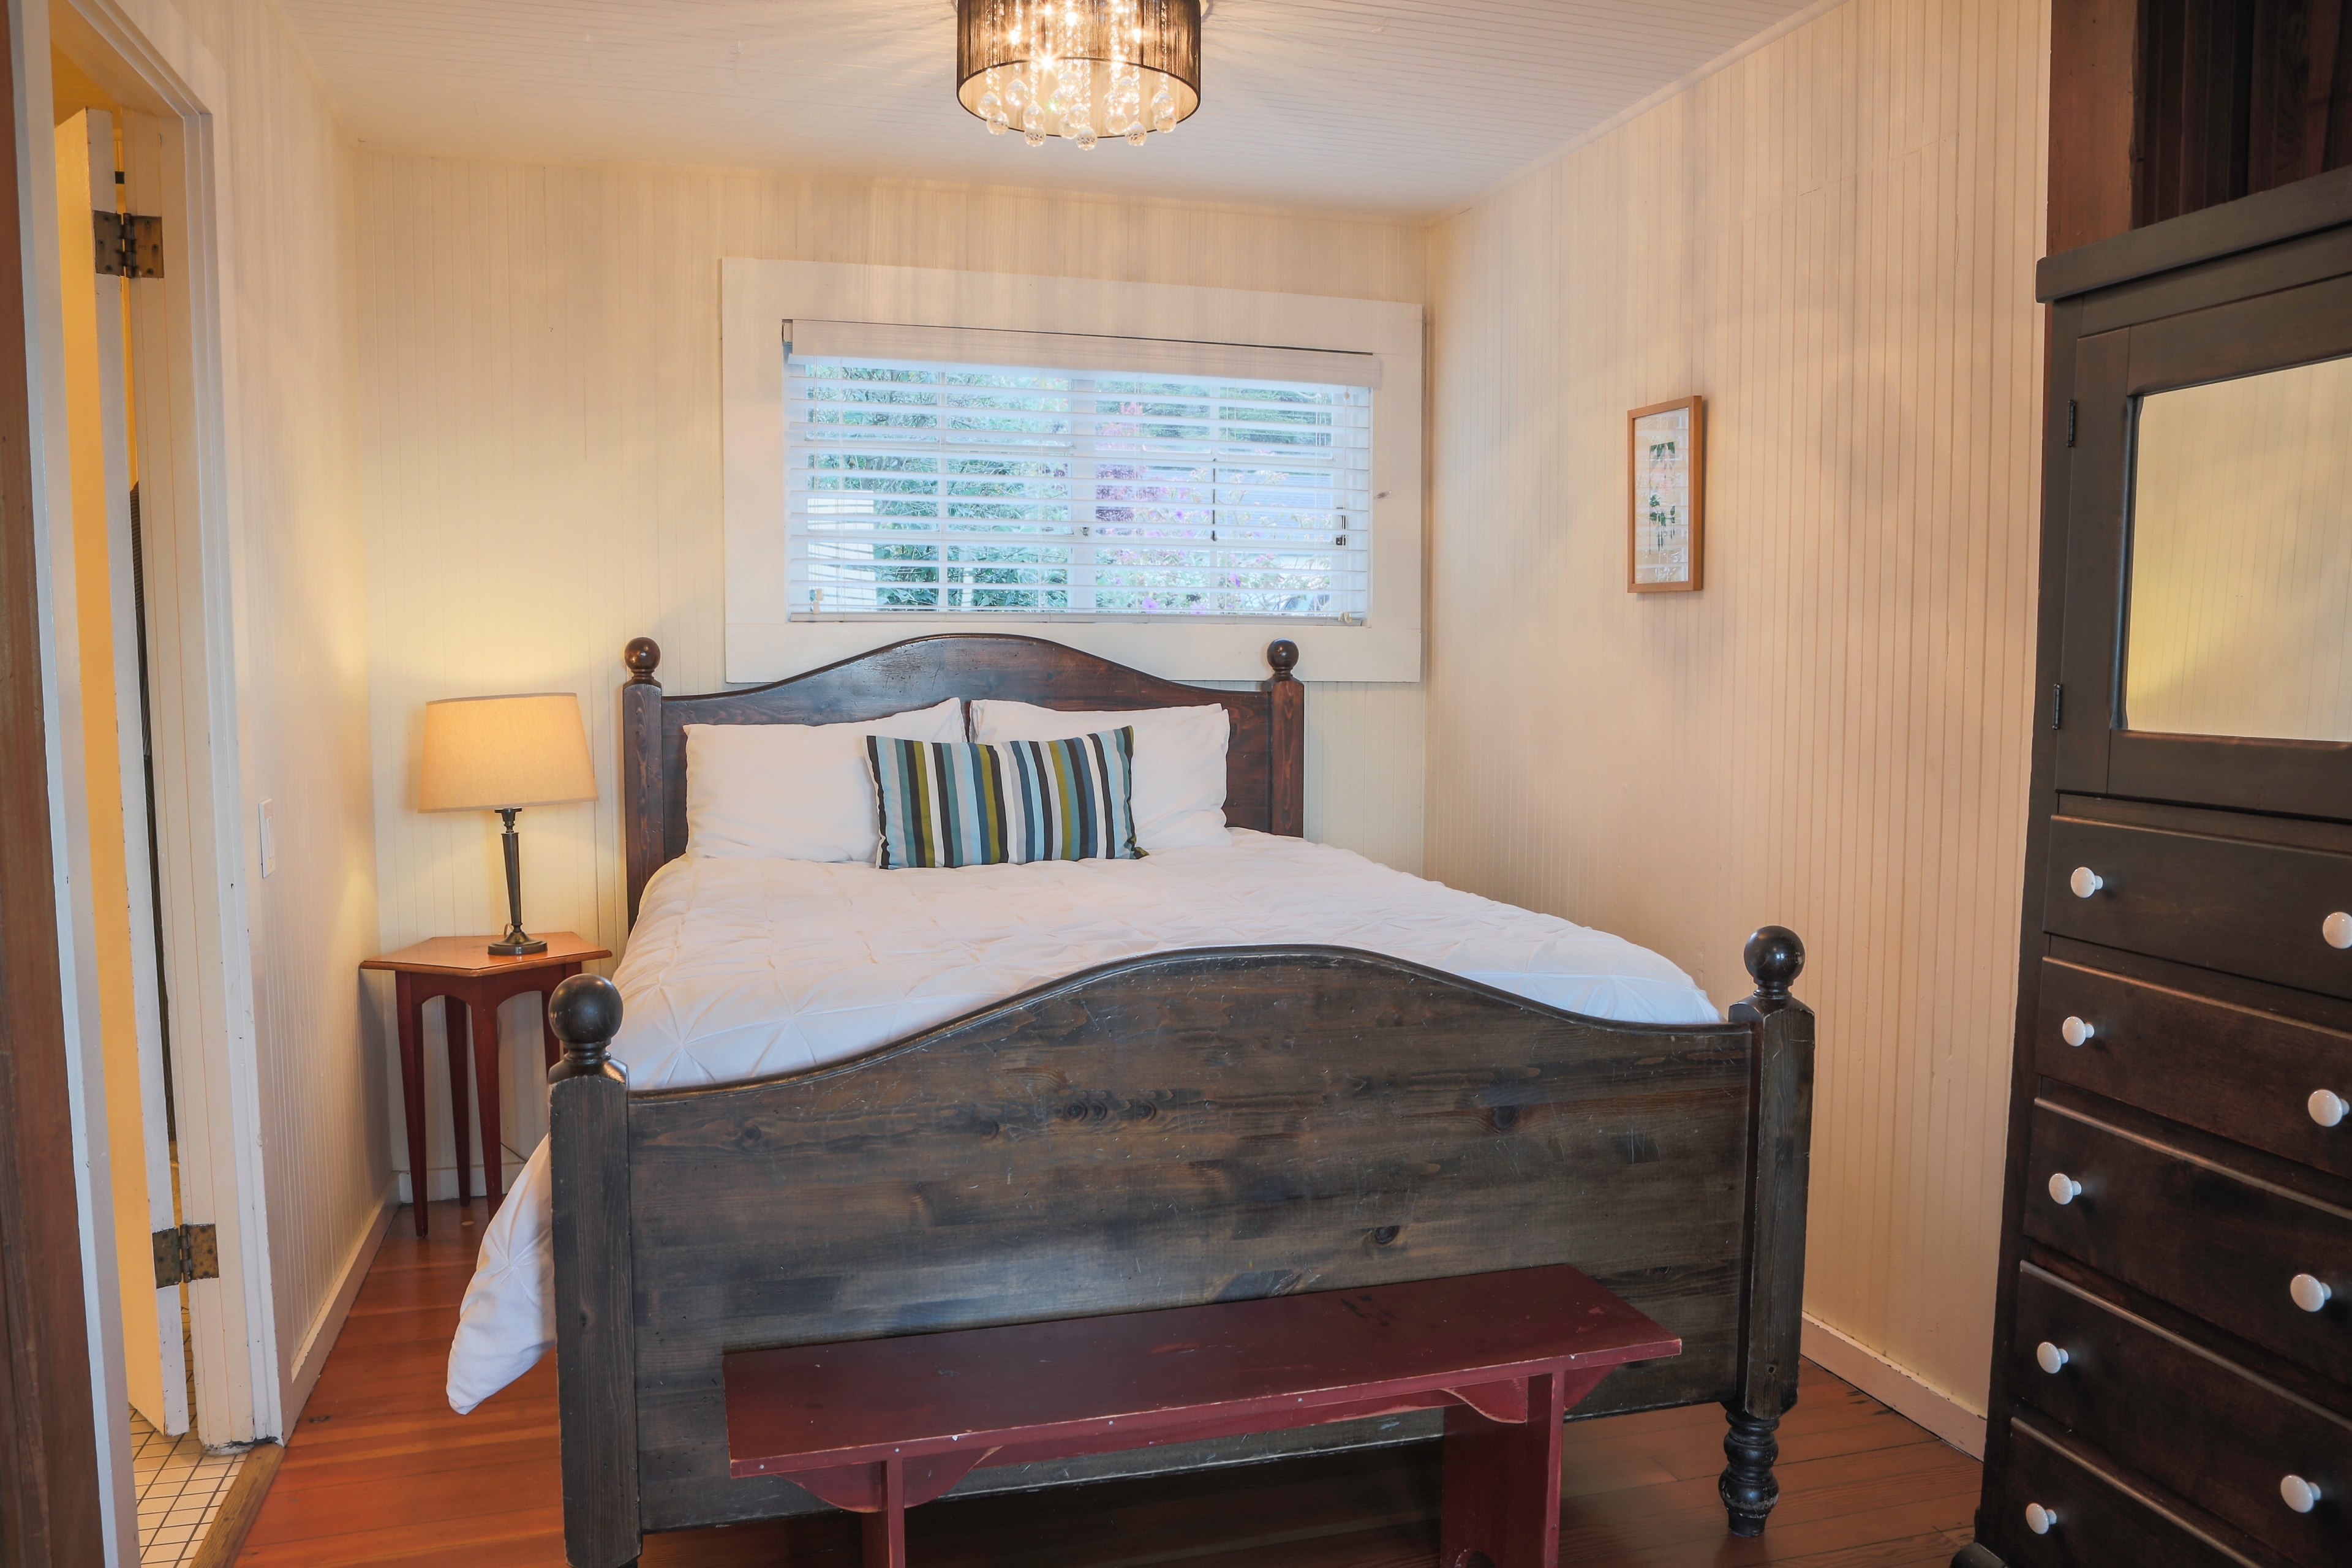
column 1081, row 69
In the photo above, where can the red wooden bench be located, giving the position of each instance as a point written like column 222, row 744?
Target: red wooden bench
column 879, row 1425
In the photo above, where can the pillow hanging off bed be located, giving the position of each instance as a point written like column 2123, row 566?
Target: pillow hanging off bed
column 943, row 805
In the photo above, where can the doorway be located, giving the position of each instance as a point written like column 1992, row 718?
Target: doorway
column 177, row 1478
column 131, row 440
column 118, row 762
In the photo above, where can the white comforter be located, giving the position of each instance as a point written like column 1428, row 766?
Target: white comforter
column 743, row 969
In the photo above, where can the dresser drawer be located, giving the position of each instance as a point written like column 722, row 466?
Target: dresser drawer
column 2187, row 1418
column 2216, row 1243
column 2247, row 1076
column 2091, row 1519
column 2259, row 910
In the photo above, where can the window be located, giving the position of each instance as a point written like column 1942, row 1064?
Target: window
column 1166, row 475
column 918, row 488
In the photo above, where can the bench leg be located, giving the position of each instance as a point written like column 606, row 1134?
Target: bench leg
column 1502, row 1481
column 886, row 1527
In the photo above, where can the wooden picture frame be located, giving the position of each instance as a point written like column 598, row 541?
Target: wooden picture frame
column 1665, row 494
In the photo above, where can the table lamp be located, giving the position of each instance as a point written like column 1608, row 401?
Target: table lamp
column 502, row 754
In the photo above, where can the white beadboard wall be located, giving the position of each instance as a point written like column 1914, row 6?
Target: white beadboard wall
column 302, row 663
column 1831, row 239
column 539, row 402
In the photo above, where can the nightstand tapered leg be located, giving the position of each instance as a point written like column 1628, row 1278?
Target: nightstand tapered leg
column 486, row 1100
column 453, row 1025
column 410, row 1023
column 549, row 1045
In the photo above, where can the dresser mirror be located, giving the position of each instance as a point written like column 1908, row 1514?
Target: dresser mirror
column 2240, row 615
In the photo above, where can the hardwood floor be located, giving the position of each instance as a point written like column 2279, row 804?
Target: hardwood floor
column 378, row 1471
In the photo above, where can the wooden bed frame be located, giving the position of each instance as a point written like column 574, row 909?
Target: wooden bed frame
column 1221, row 1124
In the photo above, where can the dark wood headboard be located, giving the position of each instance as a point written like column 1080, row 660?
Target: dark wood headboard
column 1264, row 761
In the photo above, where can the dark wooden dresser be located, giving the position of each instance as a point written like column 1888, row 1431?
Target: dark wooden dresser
column 2172, row 1365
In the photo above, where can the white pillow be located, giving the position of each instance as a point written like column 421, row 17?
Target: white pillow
column 795, row 792
column 1179, row 793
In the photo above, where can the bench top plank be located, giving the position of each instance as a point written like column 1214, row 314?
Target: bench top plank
column 809, row 1407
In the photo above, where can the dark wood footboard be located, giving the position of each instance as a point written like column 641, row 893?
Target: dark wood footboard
column 1185, row 1128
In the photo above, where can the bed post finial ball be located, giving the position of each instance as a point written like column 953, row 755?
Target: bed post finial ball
column 1282, row 654
column 1775, row 956
column 584, row 1014
column 642, row 656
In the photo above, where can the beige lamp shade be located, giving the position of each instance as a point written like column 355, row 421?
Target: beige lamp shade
column 486, row 754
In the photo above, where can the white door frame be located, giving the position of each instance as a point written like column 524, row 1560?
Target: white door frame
column 144, row 54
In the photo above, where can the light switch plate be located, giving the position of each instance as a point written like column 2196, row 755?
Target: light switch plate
column 268, row 836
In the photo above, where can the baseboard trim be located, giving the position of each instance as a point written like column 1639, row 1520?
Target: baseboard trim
column 330, row 1322
column 1896, row 1386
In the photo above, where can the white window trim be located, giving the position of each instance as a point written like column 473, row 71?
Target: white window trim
column 756, row 298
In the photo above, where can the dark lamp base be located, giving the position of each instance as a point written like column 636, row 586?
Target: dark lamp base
column 517, row 942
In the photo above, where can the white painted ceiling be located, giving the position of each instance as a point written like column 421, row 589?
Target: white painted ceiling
column 1388, row 107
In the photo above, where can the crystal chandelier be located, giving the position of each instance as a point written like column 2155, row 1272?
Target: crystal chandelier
column 1083, row 70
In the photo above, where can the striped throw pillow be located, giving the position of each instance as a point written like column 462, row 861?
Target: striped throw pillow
column 945, row 804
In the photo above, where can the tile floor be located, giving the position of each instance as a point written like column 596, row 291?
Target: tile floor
column 180, row 1488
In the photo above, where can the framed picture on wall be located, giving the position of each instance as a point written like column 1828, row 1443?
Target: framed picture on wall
column 1666, row 481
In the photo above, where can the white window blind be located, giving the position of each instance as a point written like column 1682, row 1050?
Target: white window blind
column 923, row 488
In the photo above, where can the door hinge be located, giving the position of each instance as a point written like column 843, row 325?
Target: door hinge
column 187, row 1252
column 2071, row 411
column 2057, row 704
column 128, row 246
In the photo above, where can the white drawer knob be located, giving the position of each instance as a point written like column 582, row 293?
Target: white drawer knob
column 2039, row 1519
column 2064, row 1188
column 2326, row 1107
column 2338, row 929
column 2049, row 1357
column 2298, row 1494
column 2075, row 1031
column 2310, row 1294
column 2086, row 881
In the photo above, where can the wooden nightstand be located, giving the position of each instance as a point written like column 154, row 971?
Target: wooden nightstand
column 462, row 972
